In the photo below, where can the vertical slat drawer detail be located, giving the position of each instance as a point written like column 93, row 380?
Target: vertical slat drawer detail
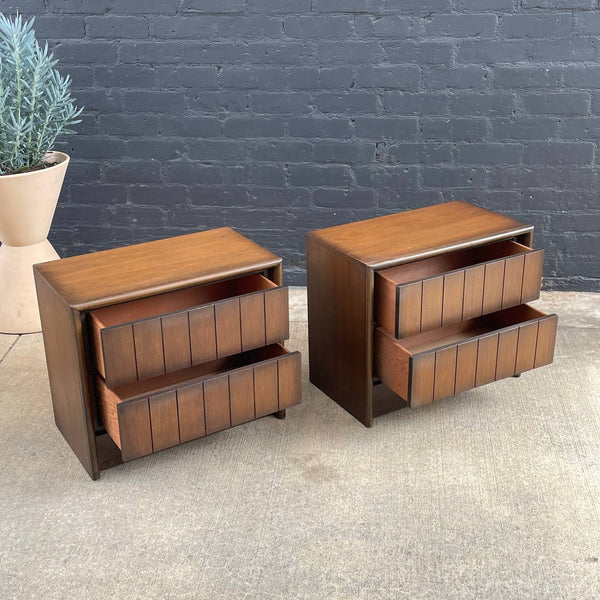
column 149, row 352
column 135, row 434
column 409, row 309
column 154, row 346
column 190, row 410
column 422, row 379
column 491, row 357
column 277, row 318
column 473, row 296
column 241, row 396
column 466, row 366
column 445, row 372
column 467, row 293
column 164, row 420
column 203, row 335
column 118, row 350
column 159, row 421
column 546, row 338
column 532, row 275
column 431, row 308
column 289, row 378
column 513, row 281
column 176, row 341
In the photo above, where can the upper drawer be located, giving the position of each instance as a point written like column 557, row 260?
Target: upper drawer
column 455, row 358
column 164, row 333
column 427, row 294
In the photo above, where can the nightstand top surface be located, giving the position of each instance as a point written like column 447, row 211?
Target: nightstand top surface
column 92, row 280
column 415, row 234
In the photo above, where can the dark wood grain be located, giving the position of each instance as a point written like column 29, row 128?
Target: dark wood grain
column 391, row 362
column 431, row 306
column 148, row 350
column 190, row 407
column 203, row 337
column 546, row 339
column 340, row 316
column 414, row 248
column 466, row 366
column 99, row 279
column 486, row 359
column 107, row 409
column 176, row 341
column 394, row 239
column 526, row 344
column 513, row 281
column 228, row 328
column 266, row 391
column 118, row 352
column 492, row 286
column 135, row 429
column 164, row 420
column 454, row 286
column 216, row 404
column 82, row 298
column 241, row 396
column 289, row 377
column 473, row 296
column 532, row 275
column 277, row 318
column 385, row 302
column 67, row 372
column 252, row 316
column 422, row 379
column 445, row 372
column 409, row 309
column 507, row 353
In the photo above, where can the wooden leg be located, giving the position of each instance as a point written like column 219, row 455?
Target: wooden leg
column 280, row 414
column 517, row 375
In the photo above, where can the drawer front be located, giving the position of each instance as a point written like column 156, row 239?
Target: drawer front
column 167, row 343
column 145, row 425
column 459, row 295
column 459, row 367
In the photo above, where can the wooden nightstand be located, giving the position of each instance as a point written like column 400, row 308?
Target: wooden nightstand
column 417, row 306
column 152, row 345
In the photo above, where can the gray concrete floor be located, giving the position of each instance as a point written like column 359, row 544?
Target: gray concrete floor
column 492, row 494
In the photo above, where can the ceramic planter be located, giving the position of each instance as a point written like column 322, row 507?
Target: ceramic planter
column 27, row 205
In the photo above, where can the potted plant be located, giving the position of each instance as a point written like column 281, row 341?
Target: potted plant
column 35, row 108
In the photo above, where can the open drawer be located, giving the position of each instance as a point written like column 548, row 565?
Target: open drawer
column 430, row 293
column 161, row 334
column 455, row 358
column 158, row 413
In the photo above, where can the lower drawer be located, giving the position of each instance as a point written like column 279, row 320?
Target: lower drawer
column 453, row 359
column 158, row 413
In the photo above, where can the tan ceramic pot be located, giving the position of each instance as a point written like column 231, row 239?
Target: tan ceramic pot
column 27, row 205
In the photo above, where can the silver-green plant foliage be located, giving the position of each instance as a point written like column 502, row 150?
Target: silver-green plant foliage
column 35, row 100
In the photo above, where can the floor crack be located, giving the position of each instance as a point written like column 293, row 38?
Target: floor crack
column 9, row 349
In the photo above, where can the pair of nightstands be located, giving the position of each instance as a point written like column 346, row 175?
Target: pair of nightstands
column 153, row 345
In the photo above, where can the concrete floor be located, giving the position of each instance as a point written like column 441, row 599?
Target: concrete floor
column 492, row 494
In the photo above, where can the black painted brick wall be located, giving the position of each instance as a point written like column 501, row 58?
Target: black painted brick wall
column 281, row 116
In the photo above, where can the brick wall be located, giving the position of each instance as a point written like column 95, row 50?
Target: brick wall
column 281, row 116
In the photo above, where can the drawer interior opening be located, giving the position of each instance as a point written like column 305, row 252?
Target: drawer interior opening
column 196, row 373
column 438, row 265
column 170, row 302
column 451, row 334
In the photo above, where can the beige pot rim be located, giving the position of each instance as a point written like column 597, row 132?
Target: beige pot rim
column 60, row 157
